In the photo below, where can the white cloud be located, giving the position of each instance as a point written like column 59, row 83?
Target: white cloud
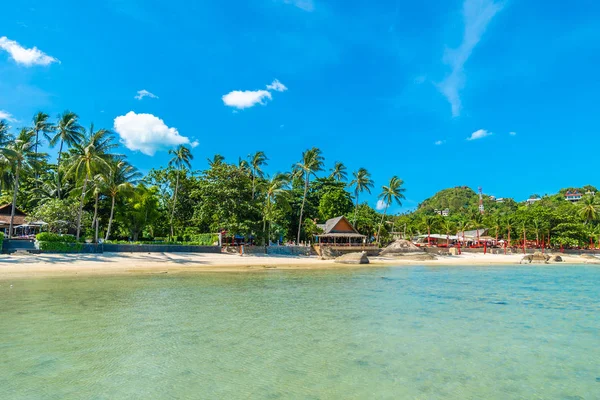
column 26, row 57
column 147, row 133
column 306, row 5
column 439, row 142
column 477, row 14
column 512, row 133
column 144, row 93
column 7, row 116
column 380, row 205
column 479, row 134
column 245, row 99
column 277, row 86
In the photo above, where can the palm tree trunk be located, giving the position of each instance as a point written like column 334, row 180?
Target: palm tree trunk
column 381, row 223
column 95, row 221
column 429, row 236
column 85, row 180
column 112, row 210
column 355, row 209
column 508, row 237
column 58, row 167
column 14, row 201
column 302, row 208
column 174, row 203
column 37, row 134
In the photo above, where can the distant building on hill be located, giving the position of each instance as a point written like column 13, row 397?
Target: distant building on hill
column 444, row 213
column 532, row 200
column 573, row 195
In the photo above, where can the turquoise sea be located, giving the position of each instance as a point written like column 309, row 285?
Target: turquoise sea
column 514, row 332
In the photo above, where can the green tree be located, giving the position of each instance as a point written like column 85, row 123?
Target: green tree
column 362, row 182
column 429, row 222
column 23, row 158
column 448, row 227
column 257, row 161
column 182, row 157
column 589, row 209
column 67, row 131
column 338, row 172
column 311, row 163
column 392, row 192
column 41, row 124
column 276, row 191
column 334, row 203
column 218, row 160
column 118, row 178
column 88, row 157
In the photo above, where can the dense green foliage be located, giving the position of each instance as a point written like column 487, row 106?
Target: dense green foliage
column 56, row 238
column 60, row 247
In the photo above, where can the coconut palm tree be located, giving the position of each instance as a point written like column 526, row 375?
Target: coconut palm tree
column 477, row 223
column 276, row 189
column 67, row 131
column 392, row 192
column 429, row 222
column 23, row 158
column 182, row 157
column 215, row 161
column 448, row 227
column 496, row 222
column 89, row 156
column 244, row 166
column 41, row 124
column 311, row 163
column 338, row 172
column 119, row 178
column 257, row 160
column 5, row 137
column 463, row 224
column 362, row 182
column 589, row 210
column 509, row 223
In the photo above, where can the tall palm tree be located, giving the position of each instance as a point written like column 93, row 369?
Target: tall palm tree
column 215, row 161
column 257, row 160
column 67, row 131
column 311, row 163
column 509, row 223
column 338, row 172
column 5, row 137
column 41, row 125
column 496, row 223
column 463, row 224
column 182, row 157
column 119, row 178
column 362, row 182
column 22, row 156
column 276, row 188
column 448, row 227
column 96, row 183
column 477, row 223
column 89, row 156
column 392, row 192
column 589, row 210
column 244, row 166
column 429, row 222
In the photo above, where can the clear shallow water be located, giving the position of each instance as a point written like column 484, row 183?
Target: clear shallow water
column 391, row 333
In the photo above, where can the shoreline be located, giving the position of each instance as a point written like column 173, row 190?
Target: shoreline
column 53, row 265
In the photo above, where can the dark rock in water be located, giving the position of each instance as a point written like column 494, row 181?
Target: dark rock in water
column 353, row 258
column 598, row 379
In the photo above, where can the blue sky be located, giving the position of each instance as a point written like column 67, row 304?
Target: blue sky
column 396, row 87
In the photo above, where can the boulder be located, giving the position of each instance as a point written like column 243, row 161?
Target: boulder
column 401, row 246
column 353, row 258
column 556, row 259
column 536, row 257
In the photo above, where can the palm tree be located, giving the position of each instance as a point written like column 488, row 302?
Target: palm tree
column 96, row 183
column 215, row 161
column 67, row 131
column 257, row 160
column 509, row 222
column 496, row 222
column 463, row 224
column 41, row 124
column 311, row 163
column 429, row 222
column 5, row 137
column 120, row 177
column 589, row 209
column 362, row 182
column 181, row 158
column 276, row 189
column 393, row 192
column 244, row 166
column 448, row 227
column 338, row 172
column 476, row 222
column 22, row 156
column 89, row 156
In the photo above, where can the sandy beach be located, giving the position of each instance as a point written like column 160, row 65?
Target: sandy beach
column 21, row 266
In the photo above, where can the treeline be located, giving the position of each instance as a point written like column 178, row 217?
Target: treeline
column 92, row 191
column 549, row 221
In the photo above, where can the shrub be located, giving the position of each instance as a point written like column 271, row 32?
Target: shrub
column 1, row 239
column 61, row 247
column 54, row 237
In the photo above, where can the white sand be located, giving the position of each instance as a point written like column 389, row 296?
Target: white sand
column 15, row 266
